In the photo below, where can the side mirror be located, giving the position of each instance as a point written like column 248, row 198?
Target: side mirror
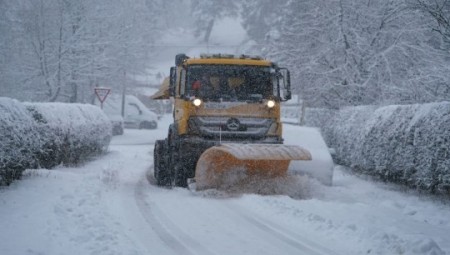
column 179, row 58
column 173, row 79
column 284, row 80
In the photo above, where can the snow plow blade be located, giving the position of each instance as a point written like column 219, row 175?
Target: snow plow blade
column 223, row 165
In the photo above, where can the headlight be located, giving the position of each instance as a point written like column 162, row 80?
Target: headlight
column 197, row 102
column 270, row 103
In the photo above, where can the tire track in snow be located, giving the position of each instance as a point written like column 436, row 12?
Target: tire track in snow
column 165, row 228
column 282, row 234
column 248, row 221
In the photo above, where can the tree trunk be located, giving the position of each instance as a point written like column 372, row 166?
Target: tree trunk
column 209, row 30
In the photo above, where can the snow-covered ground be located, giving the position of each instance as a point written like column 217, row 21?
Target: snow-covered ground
column 108, row 206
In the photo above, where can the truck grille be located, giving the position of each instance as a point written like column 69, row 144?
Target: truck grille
column 230, row 127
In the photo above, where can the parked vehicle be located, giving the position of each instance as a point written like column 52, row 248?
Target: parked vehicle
column 136, row 114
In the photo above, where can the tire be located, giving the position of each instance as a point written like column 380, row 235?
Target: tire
column 178, row 173
column 180, row 176
column 148, row 125
column 143, row 125
column 160, row 170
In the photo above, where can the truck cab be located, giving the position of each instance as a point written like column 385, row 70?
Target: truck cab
column 229, row 97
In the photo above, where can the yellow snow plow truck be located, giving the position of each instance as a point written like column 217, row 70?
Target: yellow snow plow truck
column 226, row 122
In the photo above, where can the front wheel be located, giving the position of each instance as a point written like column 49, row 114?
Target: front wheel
column 180, row 176
column 177, row 168
column 178, row 172
column 159, row 163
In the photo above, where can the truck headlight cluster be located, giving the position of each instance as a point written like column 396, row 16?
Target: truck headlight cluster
column 197, row 102
column 270, row 103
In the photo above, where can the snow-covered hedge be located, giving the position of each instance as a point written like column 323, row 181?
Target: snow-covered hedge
column 49, row 134
column 70, row 133
column 19, row 140
column 291, row 112
column 317, row 117
column 407, row 144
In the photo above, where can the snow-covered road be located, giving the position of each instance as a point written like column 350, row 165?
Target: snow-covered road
column 109, row 207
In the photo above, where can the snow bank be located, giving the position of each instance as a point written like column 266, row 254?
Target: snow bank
column 407, row 144
column 48, row 134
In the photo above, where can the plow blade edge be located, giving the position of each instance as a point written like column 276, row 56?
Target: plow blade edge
column 225, row 164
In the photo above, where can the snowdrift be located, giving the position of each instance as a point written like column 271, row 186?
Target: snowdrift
column 407, row 144
column 48, row 134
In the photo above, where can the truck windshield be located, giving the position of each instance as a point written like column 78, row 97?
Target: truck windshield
column 227, row 82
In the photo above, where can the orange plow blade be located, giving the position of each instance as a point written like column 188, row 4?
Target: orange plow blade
column 226, row 164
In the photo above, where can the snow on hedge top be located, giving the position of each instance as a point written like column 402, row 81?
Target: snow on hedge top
column 65, row 115
column 12, row 112
column 81, row 121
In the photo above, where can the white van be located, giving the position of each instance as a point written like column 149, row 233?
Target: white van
column 137, row 115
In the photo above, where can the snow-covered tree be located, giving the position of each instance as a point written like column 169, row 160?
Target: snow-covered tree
column 260, row 16
column 62, row 49
column 173, row 14
column 440, row 11
column 343, row 52
column 5, row 45
column 207, row 12
column 340, row 52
